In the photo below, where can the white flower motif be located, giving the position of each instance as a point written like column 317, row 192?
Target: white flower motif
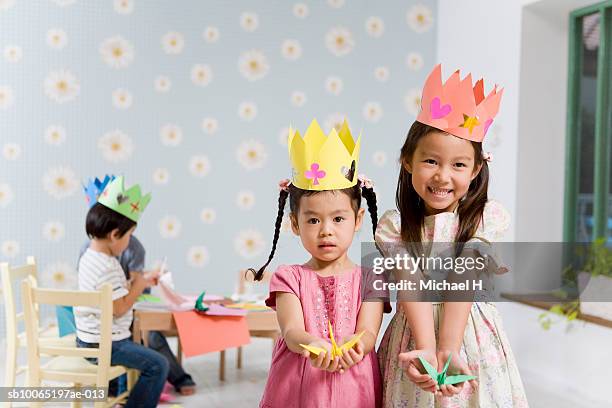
column 251, row 154
column 173, row 42
column 161, row 176
column 13, row 53
column 6, row 96
column 375, row 26
column 62, row 86
column 211, row 34
column 208, row 215
column 123, row 6
column 53, row 231
column 381, row 74
column 372, row 112
column 60, row 182
column 298, row 98
column 420, row 18
column 199, row 166
column 414, row 61
column 245, row 200
column 283, row 136
column 60, row 275
column 11, row 151
column 6, row 195
column 249, row 243
column 339, row 41
column 300, row 10
column 249, row 21
column 334, row 121
column 335, row 3
column 10, row 248
column 162, row 83
column 334, row 85
column 247, row 111
column 57, row 38
column 210, row 125
column 64, row 3
column 55, row 135
column 253, row 65
column 201, row 74
column 379, row 158
column 117, row 52
column 6, row 4
column 197, row 256
column 291, row 49
column 122, row 99
column 169, row 227
column 116, row 146
column 412, row 101
column 171, row 135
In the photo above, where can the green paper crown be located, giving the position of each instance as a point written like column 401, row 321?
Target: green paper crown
column 130, row 203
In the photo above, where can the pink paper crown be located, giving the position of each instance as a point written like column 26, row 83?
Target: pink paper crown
column 457, row 108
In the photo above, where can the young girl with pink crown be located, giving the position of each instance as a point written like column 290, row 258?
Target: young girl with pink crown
column 442, row 198
column 325, row 357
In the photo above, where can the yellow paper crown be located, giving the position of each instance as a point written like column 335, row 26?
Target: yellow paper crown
column 321, row 162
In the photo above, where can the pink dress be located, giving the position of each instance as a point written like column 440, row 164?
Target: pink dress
column 292, row 381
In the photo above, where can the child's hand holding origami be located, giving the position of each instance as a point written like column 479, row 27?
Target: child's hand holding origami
column 456, row 366
column 324, row 360
column 151, row 277
column 351, row 356
column 416, row 372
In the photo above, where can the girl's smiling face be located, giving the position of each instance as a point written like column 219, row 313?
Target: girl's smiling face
column 326, row 223
column 442, row 168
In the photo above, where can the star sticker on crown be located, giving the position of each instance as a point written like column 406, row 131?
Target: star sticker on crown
column 469, row 122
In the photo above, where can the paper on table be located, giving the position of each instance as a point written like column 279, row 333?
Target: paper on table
column 441, row 378
column 336, row 350
column 215, row 309
column 200, row 333
column 174, row 300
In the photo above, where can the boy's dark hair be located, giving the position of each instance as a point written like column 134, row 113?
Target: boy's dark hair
column 295, row 194
column 101, row 221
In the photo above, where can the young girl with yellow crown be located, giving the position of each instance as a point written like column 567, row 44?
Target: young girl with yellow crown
column 442, row 198
column 325, row 357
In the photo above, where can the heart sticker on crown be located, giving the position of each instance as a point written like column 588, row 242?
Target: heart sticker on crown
column 349, row 173
column 438, row 111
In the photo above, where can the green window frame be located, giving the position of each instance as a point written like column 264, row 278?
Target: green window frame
column 603, row 124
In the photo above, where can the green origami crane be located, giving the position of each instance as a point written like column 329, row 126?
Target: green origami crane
column 441, row 377
column 200, row 306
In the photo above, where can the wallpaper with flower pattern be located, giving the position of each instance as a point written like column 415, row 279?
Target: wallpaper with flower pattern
column 193, row 100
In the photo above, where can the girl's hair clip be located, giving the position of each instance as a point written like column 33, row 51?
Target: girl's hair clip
column 284, row 184
column 488, row 156
column 364, row 181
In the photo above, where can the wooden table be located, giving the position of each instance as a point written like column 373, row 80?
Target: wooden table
column 260, row 323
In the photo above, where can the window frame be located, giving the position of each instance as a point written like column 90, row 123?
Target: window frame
column 603, row 127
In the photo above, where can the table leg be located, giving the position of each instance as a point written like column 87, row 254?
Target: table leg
column 239, row 358
column 145, row 338
column 222, row 365
column 179, row 351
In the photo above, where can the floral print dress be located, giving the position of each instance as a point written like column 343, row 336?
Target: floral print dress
column 485, row 346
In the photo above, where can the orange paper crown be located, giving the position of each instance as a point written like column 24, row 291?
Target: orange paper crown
column 458, row 108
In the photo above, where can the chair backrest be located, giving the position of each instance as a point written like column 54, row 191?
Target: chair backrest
column 11, row 276
column 32, row 297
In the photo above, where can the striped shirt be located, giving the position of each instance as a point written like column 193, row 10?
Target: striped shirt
column 95, row 269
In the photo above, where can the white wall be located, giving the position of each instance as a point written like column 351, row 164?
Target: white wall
column 522, row 45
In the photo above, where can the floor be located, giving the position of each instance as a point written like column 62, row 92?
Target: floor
column 243, row 388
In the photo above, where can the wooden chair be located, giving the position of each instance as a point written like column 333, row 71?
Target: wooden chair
column 15, row 340
column 262, row 330
column 68, row 363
